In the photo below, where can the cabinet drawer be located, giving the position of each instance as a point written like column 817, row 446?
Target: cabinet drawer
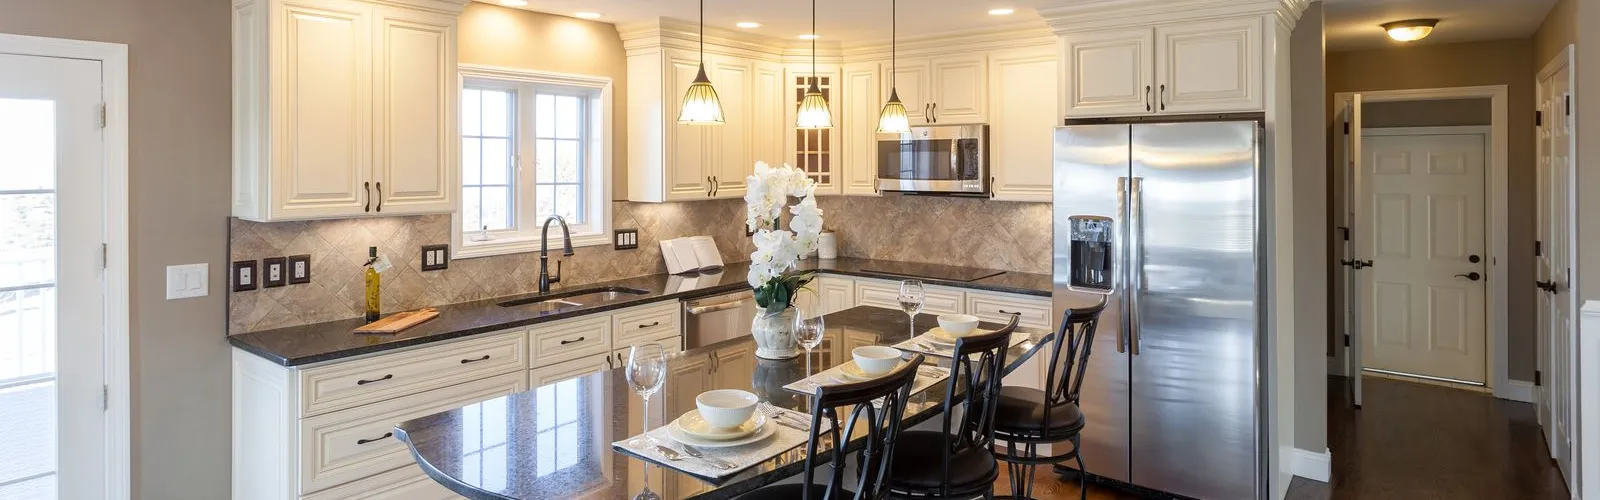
column 349, row 384
column 670, row 344
column 571, row 339
column 998, row 308
column 405, row 483
column 652, row 321
column 886, row 294
column 352, row 444
column 568, row 370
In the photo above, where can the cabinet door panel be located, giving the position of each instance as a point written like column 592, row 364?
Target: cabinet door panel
column 1023, row 112
column 767, row 114
column 414, row 111
column 1109, row 73
column 732, row 144
column 689, row 153
column 886, row 294
column 1209, row 66
column 859, row 127
column 322, row 112
column 910, row 78
column 837, row 294
column 960, row 86
column 814, row 151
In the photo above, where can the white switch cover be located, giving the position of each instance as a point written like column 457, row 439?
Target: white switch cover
column 187, row 281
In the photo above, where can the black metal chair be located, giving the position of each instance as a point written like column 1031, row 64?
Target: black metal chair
column 1028, row 417
column 964, row 446
column 883, row 428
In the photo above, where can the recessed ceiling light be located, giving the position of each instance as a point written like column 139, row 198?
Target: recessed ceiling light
column 514, row 3
column 809, row 36
column 748, row 25
column 1410, row 30
column 1002, row 12
column 587, row 15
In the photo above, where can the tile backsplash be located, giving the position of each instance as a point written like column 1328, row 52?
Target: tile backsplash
column 952, row 231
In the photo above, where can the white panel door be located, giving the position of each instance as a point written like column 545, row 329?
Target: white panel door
column 414, row 112
column 52, row 221
column 322, row 129
column 859, row 128
column 1557, row 205
column 960, row 85
column 1210, row 66
column 689, row 154
column 1110, row 73
column 1023, row 111
column 1424, row 208
column 732, row 140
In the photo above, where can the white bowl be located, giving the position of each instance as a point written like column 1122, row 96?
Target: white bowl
column 726, row 408
column 876, row 360
column 958, row 325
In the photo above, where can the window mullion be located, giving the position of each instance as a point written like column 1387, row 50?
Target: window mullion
column 527, row 204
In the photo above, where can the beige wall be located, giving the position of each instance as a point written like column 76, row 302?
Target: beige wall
column 1498, row 62
column 1440, row 113
column 1311, row 232
column 1557, row 31
column 178, row 160
column 492, row 35
column 1588, row 109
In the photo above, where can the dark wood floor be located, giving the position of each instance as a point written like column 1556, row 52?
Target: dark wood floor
column 1413, row 442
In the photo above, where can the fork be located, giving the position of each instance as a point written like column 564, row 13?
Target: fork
column 724, row 464
column 778, row 415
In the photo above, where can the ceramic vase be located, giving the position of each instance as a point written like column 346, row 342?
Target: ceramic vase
column 773, row 338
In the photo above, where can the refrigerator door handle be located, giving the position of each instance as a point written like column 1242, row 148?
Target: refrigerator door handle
column 1135, row 267
column 1122, row 212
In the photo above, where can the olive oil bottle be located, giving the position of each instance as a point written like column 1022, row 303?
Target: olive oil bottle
column 372, row 284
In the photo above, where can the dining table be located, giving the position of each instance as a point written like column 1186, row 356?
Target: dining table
column 555, row 440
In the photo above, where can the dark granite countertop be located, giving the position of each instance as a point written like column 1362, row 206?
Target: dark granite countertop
column 555, row 441
column 306, row 344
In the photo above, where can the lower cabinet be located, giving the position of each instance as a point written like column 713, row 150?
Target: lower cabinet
column 405, row 483
column 546, row 375
column 886, row 294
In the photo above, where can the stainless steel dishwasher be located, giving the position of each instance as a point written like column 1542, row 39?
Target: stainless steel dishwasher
column 717, row 318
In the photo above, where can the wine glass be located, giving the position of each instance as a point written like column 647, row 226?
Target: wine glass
column 807, row 332
column 911, row 299
column 647, row 371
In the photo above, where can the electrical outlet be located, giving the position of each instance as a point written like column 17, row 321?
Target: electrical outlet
column 435, row 257
column 626, row 239
column 245, row 276
column 299, row 269
column 274, row 272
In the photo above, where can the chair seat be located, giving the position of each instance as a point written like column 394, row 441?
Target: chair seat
column 916, row 464
column 792, row 491
column 1021, row 410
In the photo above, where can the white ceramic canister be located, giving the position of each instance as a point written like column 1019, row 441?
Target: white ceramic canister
column 828, row 245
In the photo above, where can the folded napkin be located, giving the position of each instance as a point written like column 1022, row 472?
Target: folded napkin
column 925, row 344
column 790, row 433
column 927, row 376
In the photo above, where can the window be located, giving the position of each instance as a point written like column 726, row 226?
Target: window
column 533, row 145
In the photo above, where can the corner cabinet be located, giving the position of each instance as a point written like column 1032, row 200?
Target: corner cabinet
column 344, row 108
column 1177, row 68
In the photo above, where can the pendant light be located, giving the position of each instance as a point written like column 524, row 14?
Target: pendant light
column 813, row 112
column 893, row 119
column 700, row 103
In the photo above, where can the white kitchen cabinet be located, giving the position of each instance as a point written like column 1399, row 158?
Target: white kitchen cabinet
column 693, row 156
column 343, row 108
column 566, row 370
column 814, row 151
column 1022, row 112
column 1175, row 68
column 1032, row 312
column 959, row 88
column 767, row 131
column 1209, row 66
column 836, row 293
column 405, row 483
column 731, row 142
column 732, row 366
column 859, row 128
column 886, row 294
column 913, row 83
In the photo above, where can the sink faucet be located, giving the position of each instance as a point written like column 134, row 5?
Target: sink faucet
column 545, row 279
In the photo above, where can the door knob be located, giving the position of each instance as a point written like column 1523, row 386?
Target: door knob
column 1548, row 286
column 1473, row 276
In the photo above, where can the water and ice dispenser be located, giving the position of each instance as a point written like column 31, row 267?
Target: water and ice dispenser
column 1092, row 257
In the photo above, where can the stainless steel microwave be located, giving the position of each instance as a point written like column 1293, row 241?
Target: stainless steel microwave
column 948, row 159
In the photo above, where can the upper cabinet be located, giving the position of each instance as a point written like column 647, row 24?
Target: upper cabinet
column 946, row 89
column 1190, row 67
column 1022, row 110
column 344, row 108
column 816, row 151
column 859, row 128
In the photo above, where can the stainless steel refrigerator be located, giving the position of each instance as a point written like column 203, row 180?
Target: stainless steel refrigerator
column 1162, row 222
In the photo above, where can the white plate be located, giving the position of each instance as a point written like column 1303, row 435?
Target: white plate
column 851, row 372
column 677, row 434
column 695, row 425
column 938, row 336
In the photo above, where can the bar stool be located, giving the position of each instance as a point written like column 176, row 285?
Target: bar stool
column 965, row 445
column 1028, row 417
column 882, row 431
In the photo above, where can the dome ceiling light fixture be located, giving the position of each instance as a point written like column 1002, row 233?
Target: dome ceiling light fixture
column 1409, row 30
column 700, row 103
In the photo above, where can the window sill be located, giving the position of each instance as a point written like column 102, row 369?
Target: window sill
column 519, row 244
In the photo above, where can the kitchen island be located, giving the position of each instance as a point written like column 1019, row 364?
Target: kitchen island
column 554, row 441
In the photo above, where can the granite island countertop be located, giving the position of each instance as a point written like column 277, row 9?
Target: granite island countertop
column 321, row 342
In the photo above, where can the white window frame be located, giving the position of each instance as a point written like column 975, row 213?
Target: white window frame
column 596, row 230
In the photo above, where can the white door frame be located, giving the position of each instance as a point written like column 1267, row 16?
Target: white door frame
column 113, row 59
column 1497, row 289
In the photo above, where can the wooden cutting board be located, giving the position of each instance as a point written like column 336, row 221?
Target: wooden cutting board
column 398, row 322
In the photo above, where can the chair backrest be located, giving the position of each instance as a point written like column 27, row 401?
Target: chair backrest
column 882, row 420
column 1069, row 356
column 978, row 365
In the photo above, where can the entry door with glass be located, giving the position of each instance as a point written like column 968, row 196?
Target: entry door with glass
column 52, row 223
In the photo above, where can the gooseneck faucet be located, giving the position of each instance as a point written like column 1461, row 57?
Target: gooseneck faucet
column 545, row 279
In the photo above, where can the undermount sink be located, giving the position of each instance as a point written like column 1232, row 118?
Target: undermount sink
column 574, row 299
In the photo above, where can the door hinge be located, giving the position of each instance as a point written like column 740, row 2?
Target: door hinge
column 105, row 256
column 1347, row 340
column 1538, row 118
column 1346, row 232
column 1347, row 128
column 1538, row 378
column 102, row 115
column 1538, row 249
column 1569, row 105
column 105, row 397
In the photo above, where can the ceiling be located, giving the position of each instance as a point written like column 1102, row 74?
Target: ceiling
column 1353, row 24
column 837, row 20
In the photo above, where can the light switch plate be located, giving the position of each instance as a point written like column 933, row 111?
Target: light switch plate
column 186, row 281
column 625, row 239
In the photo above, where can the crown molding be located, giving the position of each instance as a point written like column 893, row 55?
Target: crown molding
column 451, row 7
column 1094, row 15
column 1028, row 34
column 678, row 34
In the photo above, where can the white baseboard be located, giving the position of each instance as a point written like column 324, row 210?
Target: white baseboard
column 1515, row 390
column 1312, row 465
